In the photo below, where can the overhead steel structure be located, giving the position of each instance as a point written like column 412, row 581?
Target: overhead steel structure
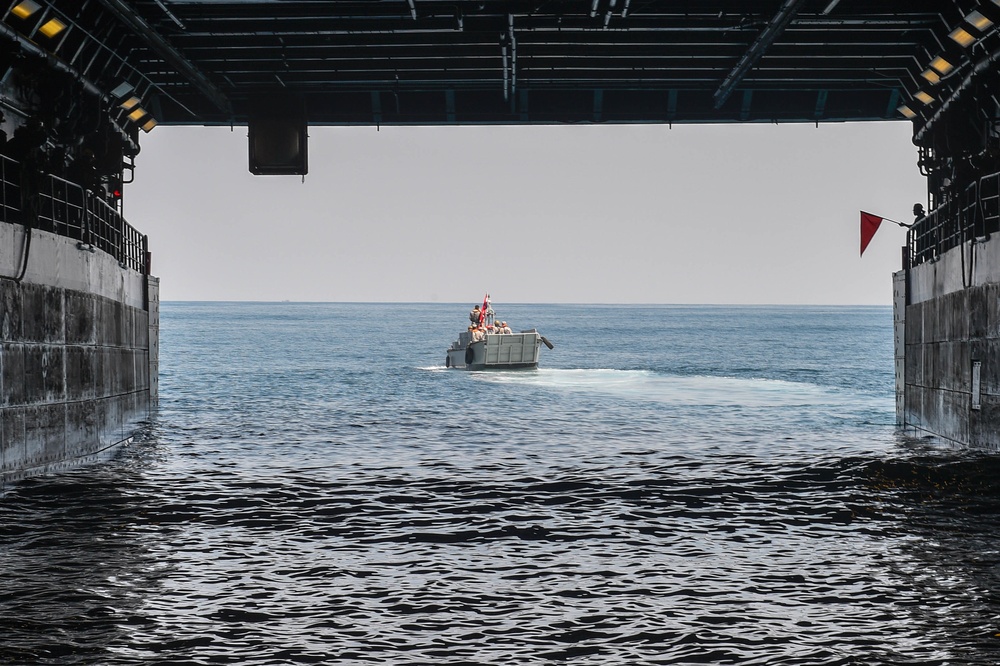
column 504, row 61
column 373, row 62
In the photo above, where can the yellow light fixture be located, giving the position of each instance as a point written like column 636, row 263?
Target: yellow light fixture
column 52, row 27
column 130, row 103
column 24, row 9
column 924, row 97
column 148, row 125
column 978, row 21
column 942, row 65
column 962, row 36
column 931, row 76
column 907, row 111
column 137, row 113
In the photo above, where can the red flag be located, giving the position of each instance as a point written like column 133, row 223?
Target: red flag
column 869, row 225
column 486, row 305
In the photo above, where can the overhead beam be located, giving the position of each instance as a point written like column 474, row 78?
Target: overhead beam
column 986, row 64
column 760, row 45
column 172, row 56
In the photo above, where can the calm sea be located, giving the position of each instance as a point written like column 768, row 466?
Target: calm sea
column 674, row 485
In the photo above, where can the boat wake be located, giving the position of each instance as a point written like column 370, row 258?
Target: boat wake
column 702, row 390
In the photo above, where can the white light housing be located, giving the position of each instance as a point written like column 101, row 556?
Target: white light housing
column 122, row 89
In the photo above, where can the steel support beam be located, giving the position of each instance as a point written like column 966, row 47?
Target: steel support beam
column 757, row 49
column 172, row 56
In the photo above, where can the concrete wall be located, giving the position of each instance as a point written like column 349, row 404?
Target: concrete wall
column 75, row 353
column 952, row 334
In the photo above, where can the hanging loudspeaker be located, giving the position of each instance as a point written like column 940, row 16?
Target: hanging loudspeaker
column 278, row 146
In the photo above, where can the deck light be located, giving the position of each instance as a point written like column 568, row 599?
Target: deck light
column 931, row 76
column 52, row 27
column 978, row 21
column 130, row 103
column 924, row 97
column 25, row 9
column 941, row 65
column 137, row 113
column 122, row 89
column 962, row 36
column 148, row 125
column 907, row 111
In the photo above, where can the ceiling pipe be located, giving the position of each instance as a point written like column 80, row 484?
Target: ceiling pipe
column 504, row 40
column 830, row 7
column 52, row 61
column 760, row 45
column 57, row 64
column 170, row 14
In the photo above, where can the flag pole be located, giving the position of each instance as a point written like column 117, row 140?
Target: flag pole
column 885, row 219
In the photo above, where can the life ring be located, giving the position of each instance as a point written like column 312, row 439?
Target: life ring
column 447, row 360
column 470, row 354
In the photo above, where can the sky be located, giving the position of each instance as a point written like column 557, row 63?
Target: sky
column 689, row 214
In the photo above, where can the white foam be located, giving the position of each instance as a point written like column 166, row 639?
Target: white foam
column 702, row 390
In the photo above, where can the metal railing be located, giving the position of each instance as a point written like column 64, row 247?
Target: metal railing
column 973, row 213
column 67, row 209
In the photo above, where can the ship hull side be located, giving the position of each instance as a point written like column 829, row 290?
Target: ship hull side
column 951, row 353
column 78, row 352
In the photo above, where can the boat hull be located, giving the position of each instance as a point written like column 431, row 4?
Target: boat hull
column 495, row 352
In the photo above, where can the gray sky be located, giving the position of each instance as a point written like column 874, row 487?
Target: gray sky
column 555, row 214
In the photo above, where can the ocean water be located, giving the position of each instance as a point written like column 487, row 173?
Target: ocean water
column 674, row 485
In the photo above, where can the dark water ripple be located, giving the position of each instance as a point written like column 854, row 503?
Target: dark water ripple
column 300, row 514
column 844, row 561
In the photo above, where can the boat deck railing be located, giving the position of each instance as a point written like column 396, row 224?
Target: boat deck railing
column 971, row 214
column 67, row 209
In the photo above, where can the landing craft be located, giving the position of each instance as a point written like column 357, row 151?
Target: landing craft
column 490, row 345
